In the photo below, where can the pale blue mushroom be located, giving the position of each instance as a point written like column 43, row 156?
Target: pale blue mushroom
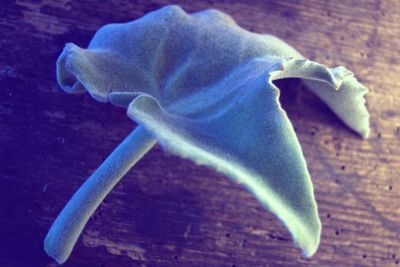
column 201, row 86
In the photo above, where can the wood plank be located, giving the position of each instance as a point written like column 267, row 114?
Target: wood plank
column 168, row 211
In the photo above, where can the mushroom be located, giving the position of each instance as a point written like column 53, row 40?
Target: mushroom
column 202, row 87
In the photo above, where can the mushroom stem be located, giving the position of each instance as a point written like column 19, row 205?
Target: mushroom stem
column 69, row 224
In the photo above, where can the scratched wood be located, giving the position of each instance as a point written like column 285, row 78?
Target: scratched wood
column 168, row 211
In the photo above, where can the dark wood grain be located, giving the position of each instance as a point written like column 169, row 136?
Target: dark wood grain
column 168, row 211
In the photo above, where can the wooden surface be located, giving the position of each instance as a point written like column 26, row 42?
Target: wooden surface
column 168, row 211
